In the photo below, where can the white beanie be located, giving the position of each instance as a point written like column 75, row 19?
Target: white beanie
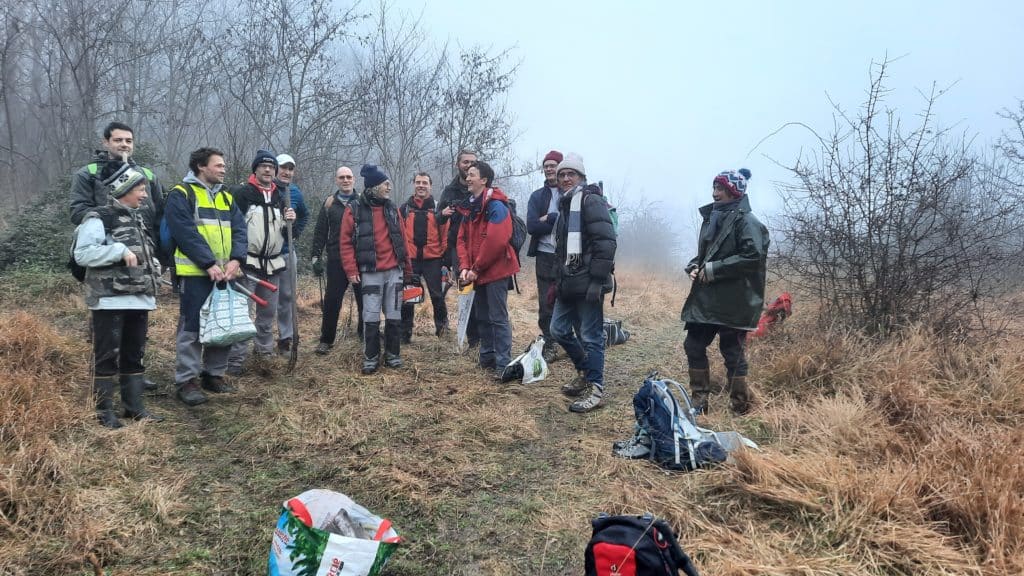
column 572, row 161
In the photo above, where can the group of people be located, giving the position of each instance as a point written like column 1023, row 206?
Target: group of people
column 129, row 229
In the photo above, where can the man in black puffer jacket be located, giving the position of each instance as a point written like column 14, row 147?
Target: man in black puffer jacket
column 325, row 236
column 585, row 259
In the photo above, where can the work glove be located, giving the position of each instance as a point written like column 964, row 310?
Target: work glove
column 318, row 267
column 594, row 293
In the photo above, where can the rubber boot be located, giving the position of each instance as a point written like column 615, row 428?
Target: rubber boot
column 150, row 385
column 132, row 386
column 103, row 389
column 371, row 347
column 700, row 387
column 393, row 344
column 739, row 394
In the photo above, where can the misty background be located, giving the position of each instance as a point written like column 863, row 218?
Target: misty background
column 657, row 97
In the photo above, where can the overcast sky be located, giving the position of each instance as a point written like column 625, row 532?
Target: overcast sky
column 658, row 97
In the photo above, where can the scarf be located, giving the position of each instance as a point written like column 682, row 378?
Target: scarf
column 574, row 240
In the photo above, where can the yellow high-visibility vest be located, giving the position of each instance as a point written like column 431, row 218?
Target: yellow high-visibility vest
column 213, row 221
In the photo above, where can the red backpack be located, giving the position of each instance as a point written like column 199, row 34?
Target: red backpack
column 635, row 546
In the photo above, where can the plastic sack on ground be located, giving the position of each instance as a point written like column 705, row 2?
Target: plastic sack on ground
column 224, row 318
column 325, row 533
column 529, row 366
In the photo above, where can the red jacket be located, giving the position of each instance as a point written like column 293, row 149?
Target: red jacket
column 484, row 238
column 422, row 229
column 386, row 258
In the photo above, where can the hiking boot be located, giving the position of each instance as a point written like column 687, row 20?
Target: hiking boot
column 441, row 331
column 489, row 364
column 216, row 384
column 190, row 394
column 149, row 385
column 592, row 402
column 576, row 386
column 371, row 348
column 103, row 390
column 700, row 387
column 549, row 352
column 322, row 349
column 739, row 395
column 235, row 371
column 393, row 339
column 639, row 446
column 284, row 347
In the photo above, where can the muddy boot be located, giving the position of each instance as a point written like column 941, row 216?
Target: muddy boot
column 592, row 402
column 550, row 350
column 103, row 390
column 371, row 347
column 576, row 386
column 739, row 395
column 190, row 394
column 149, row 385
column 700, row 387
column 215, row 384
column 132, row 386
column 392, row 344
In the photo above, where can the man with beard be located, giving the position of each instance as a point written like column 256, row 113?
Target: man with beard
column 541, row 214
column 454, row 195
column 373, row 253
column 426, row 243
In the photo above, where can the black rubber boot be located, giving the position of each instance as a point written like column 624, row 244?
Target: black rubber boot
column 150, row 386
column 393, row 344
column 700, row 388
column 371, row 347
column 739, row 395
column 103, row 390
column 132, row 386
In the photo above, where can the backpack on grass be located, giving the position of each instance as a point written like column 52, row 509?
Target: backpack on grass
column 635, row 546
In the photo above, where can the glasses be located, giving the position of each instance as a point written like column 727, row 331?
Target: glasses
column 566, row 174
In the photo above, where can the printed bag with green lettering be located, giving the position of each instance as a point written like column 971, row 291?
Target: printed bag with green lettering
column 325, row 533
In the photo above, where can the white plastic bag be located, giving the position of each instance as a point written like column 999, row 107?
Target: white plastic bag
column 531, row 362
column 307, row 540
column 224, row 318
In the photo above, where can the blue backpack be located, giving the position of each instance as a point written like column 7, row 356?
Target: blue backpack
column 677, row 443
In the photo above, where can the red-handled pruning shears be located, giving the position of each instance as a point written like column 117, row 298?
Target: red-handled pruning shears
column 261, row 282
column 251, row 296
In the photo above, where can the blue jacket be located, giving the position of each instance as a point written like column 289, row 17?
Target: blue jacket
column 301, row 214
column 540, row 201
column 181, row 220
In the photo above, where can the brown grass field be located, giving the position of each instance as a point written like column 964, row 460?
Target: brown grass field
column 905, row 457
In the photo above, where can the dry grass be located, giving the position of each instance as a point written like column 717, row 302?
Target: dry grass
column 902, row 457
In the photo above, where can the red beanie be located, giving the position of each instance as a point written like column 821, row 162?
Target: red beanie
column 553, row 155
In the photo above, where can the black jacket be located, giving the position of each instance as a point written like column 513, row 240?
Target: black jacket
column 88, row 192
column 454, row 195
column 328, row 226
column 597, row 260
column 540, row 201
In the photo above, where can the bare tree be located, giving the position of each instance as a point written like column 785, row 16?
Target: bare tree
column 891, row 226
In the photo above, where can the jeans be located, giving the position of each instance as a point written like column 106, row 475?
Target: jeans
column 731, row 342
column 587, row 356
column 491, row 305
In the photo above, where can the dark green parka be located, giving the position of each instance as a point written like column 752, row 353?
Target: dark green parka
column 735, row 264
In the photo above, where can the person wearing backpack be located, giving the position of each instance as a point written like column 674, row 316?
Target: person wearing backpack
column 374, row 255
column 89, row 192
column 210, row 236
column 325, row 236
column 488, row 260
column 585, row 255
column 261, row 201
column 122, row 275
column 727, row 291
column 541, row 214
column 426, row 242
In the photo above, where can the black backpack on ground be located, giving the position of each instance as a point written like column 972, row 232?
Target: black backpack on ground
column 635, row 546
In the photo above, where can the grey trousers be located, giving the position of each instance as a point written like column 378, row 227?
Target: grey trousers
column 193, row 358
column 382, row 291
column 263, row 319
column 285, row 296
